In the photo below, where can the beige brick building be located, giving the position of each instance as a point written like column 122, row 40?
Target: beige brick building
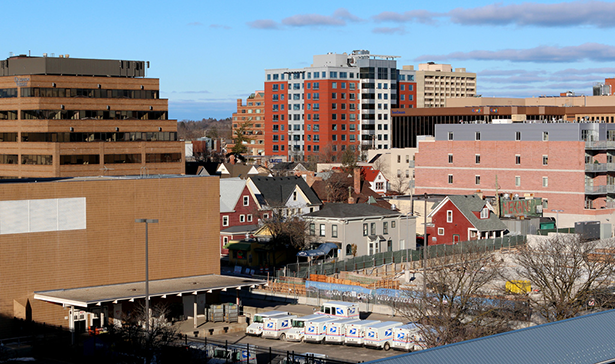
column 66, row 117
column 437, row 82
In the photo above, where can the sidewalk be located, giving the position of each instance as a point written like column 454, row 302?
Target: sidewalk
column 205, row 329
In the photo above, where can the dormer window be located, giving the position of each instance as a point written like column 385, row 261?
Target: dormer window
column 484, row 213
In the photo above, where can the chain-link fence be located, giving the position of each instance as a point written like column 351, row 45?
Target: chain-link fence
column 303, row 270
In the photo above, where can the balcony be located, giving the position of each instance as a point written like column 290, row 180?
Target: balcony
column 599, row 167
column 600, row 190
column 600, row 145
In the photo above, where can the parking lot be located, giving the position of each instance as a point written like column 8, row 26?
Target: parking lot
column 337, row 352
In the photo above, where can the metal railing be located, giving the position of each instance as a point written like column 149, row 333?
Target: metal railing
column 303, row 270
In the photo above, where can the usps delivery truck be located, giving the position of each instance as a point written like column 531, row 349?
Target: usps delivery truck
column 256, row 326
column 297, row 332
column 340, row 309
column 316, row 329
column 354, row 332
column 408, row 337
column 275, row 327
column 336, row 330
column 380, row 335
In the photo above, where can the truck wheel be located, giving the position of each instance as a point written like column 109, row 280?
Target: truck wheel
column 283, row 337
column 387, row 346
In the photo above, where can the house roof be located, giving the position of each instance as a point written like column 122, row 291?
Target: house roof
column 581, row 340
column 370, row 173
column 238, row 170
column 468, row 204
column 230, row 191
column 277, row 190
column 239, row 229
column 344, row 210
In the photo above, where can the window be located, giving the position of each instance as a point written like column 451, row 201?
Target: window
column 440, row 231
column 545, row 181
column 477, row 158
column 449, row 216
column 517, row 159
column 385, row 227
column 518, row 135
column 484, row 213
column 450, row 135
column 334, row 231
column 477, row 179
column 249, row 217
column 545, row 136
column 348, row 249
column 312, row 229
column 365, row 230
column 450, row 158
column 246, row 200
column 242, row 218
column 545, row 160
column 373, row 228
column 517, row 181
column 225, row 240
column 265, row 216
column 322, row 229
column 450, row 178
column 392, row 224
column 224, row 220
column 477, row 135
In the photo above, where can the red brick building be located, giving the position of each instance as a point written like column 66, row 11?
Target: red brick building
column 250, row 121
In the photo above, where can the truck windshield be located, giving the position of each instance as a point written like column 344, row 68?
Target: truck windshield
column 258, row 318
column 298, row 323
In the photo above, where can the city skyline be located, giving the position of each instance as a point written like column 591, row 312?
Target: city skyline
column 208, row 55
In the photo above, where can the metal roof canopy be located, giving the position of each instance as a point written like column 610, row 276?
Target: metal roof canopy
column 82, row 297
column 585, row 339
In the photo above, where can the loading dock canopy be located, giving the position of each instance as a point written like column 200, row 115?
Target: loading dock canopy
column 82, row 297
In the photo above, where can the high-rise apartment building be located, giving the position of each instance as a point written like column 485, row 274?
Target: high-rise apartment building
column 437, row 82
column 65, row 117
column 342, row 101
column 250, row 121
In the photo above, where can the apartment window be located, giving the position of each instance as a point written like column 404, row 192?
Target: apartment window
column 334, row 231
column 518, row 135
column 450, row 135
column 477, row 158
column 545, row 136
column 322, row 229
column 242, row 218
column 517, row 181
column 312, row 229
column 246, row 200
column 545, row 181
column 373, row 228
column 517, row 159
column 477, row 135
column 449, row 216
column 477, row 179
column 440, row 231
column 385, row 227
column 450, row 178
column 450, row 158
column 365, row 230
column 224, row 220
column 545, row 160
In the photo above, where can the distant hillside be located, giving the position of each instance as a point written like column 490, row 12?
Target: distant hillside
column 214, row 128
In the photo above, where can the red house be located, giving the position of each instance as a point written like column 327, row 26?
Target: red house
column 462, row 218
column 238, row 212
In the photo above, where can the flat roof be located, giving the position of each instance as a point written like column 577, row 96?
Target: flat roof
column 82, row 297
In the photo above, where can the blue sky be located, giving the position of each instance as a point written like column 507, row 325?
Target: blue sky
column 209, row 53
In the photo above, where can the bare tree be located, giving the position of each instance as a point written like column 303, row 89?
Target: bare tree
column 400, row 183
column 132, row 338
column 337, row 187
column 568, row 272
column 459, row 303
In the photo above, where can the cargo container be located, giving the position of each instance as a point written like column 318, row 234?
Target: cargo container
column 336, row 331
column 316, row 329
column 275, row 327
column 354, row 333
column 380, row 335
column 256, row 326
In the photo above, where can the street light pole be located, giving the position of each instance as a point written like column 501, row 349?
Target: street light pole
column 425, row 251
column 147, row 222
column 557, row 219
